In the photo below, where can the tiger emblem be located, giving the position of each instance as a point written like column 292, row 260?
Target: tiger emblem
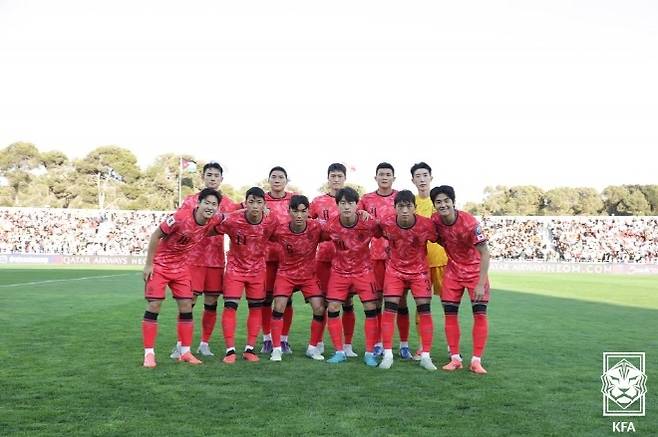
column 624, row 384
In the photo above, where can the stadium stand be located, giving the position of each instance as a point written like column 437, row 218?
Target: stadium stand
column 570, row 239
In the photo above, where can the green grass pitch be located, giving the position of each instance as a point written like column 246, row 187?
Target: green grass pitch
column 70, row 348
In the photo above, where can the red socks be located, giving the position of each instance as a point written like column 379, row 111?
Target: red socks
column 317, row 329
column 452, row 332
column 348, row 323
column 228, row 326
column 287, row 319
column 185, row 329
column 372, row 332
column 480, row 333
column 149, row 333
column 403, row 324
column 427, row 331
column 336, row 331
column 253, row 323
column 387, row 328
column 208, row 321
column 277, row 327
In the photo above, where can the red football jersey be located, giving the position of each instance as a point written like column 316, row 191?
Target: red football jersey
column 352, row 245
column 182, row 234
column 324, row 208
column 278, row 207
column 210, row 253
column 408, row 246
column 459, row 240
column 248, row 242
column 378, row 207
column 297, row 250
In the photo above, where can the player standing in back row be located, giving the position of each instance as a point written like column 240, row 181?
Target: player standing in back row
column 379, row 204
column 468, row 266
column 277, row 201
column 206, row 261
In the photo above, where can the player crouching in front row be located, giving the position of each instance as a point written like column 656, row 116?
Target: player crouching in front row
column 166, row 265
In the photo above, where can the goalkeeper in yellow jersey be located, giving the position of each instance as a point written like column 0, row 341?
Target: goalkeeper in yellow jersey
column 421, row 176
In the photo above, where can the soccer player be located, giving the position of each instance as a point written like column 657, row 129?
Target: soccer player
column 167, row 265
column 298, row 238
column 249, row 231
column 421, row 176
column 468, row 266
column 324, row 207
column 379, row 204
column 277, row 201
column 351, row 269
column 207, row 261
column 407, row 234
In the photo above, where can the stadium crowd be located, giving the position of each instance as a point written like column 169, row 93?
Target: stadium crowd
column 572, row 239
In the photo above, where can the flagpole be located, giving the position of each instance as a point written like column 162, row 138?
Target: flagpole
column 180, row 177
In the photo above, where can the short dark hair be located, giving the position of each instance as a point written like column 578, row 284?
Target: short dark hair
column 443, row 189
column 210, row 192
column 213, row 164
column 296, row 200
column 420, row 165
column 405, row 196
column 347, row 193
column 336, row 166
column 278, row 168
column 255, row 192
column 383, row 165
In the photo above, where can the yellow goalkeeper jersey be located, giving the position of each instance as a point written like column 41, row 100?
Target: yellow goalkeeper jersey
column 436, row 254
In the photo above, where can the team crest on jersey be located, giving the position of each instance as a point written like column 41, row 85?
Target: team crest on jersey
column 170, row 220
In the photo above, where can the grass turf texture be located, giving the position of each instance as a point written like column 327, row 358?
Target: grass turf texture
column 71, row 365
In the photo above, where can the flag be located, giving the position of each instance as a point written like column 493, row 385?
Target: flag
column 187, row 165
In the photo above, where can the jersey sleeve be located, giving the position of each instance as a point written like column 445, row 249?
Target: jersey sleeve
column 477, row 236
column 169, row 225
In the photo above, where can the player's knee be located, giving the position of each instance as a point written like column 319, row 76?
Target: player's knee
column 480, row 308
column 154, row 306
column 210, row 307
column 391, row 307
column 230, row 305
column 333, row 314
column 424, row 308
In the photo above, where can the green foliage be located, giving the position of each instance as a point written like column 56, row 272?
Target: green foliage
column 109, row 175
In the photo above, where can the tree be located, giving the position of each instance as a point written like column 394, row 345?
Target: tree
column 561, row 201
column 17, row 162
column 626, row 200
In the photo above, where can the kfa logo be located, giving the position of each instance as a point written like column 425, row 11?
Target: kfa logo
column 624, row 384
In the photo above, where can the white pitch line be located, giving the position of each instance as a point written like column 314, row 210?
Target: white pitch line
column 50, row 281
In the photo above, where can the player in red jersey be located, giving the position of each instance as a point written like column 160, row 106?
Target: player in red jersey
column 468, row 266
column 324, row 207
column 249, row 231
column 277, row 201
column 167, row 265
column 298, row 238
column 407, row 234
column 207, row 262
column 351, row 269
column 379, row 204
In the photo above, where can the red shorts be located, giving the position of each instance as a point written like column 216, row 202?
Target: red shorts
column 284, row 286
column 452, row 289
column 379, row 270
column 179, row 283
column 395, row 283
column 207, row 280
column 270, row 269
column 340, row 286
column 323, row 271
column 253, row 285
